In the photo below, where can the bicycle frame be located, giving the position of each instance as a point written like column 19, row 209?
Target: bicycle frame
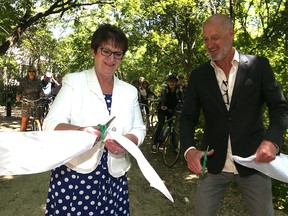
column 145, row 115
column 169, row 140
column 153, row 103
column 34, row 119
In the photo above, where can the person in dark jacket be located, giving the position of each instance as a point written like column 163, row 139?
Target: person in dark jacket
column 169, row 100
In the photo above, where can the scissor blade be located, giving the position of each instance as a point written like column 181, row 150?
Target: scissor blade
column 109, row 122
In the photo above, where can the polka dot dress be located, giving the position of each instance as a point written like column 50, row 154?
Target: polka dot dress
column 97, row 193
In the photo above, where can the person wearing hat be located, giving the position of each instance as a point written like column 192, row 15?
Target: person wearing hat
column 30, row 88
column 48, row 83
column 169, row 100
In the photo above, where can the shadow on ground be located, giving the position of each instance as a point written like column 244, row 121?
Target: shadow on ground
column 11, row 123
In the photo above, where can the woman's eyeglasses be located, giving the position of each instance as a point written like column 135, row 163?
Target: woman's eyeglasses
column 224, row 87
column 107, row 53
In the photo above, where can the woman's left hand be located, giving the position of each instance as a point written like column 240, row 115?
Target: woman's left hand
column 114, row 147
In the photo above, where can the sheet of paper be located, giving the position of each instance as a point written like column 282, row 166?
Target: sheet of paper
column 40, row 151
column 277, row 169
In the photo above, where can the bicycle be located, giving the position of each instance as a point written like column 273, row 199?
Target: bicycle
column 149, row 119
column 153, row 113
column 36, row 106
column 169, row 140
column 145, row 115
column 46, row 103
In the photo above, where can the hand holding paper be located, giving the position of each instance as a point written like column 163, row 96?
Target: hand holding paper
column 277, row 169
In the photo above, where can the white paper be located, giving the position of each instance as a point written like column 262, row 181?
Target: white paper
column 277, row 169
column 40, row 151
column 146, row 169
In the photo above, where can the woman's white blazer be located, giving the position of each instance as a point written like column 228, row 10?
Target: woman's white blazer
column 81, row 102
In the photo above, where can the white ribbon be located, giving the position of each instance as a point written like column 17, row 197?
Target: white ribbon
column 40, row 151
column 277, row 169
column 36, row 152
column 147, row 170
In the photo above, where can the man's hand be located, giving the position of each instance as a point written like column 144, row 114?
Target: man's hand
column 266, row 152
column 18, row 97
column 164, row 108
column 193, row 158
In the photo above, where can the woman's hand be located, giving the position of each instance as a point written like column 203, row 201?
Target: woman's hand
column 93, row 130
column 114, row 147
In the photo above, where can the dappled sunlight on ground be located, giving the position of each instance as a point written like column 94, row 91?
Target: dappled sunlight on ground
column 11, row 123
column 191, row 177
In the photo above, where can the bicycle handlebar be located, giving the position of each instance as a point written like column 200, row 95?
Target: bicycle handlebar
column 41, row 99
column 31, row 101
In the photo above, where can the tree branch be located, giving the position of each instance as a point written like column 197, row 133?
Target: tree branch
column 59, row 6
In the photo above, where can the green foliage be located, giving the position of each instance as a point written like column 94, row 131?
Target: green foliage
column 280, row 195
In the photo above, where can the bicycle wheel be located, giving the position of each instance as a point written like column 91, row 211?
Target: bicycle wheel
column 153, row 121
column 153, row 138
column 30, row 126
column 145, row 116
column 37, row 125
column 171, row 148
column 146, row 121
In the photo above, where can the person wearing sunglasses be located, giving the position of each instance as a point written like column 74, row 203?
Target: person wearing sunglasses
column 30, row 88
column 95, row 182
column 231, row 90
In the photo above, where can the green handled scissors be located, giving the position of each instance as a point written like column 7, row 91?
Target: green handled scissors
column 204, row 160
column 103, row 128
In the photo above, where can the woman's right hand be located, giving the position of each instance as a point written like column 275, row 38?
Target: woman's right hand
column 93, row 130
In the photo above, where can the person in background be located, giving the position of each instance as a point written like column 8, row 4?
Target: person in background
column 48, row 84
column 148, row 94
column 95, row 183
column 231, row 90
column 181, row 83
column 136, row 84
column 30, row 88
column 169, row 100
column 142, row 91
column 141, row 80
column 57, row 87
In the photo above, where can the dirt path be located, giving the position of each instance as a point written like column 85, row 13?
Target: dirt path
column 26, row 195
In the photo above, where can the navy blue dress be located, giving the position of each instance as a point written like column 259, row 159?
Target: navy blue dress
column 95, row 193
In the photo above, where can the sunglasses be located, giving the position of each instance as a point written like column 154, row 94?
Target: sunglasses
column 31, row 71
